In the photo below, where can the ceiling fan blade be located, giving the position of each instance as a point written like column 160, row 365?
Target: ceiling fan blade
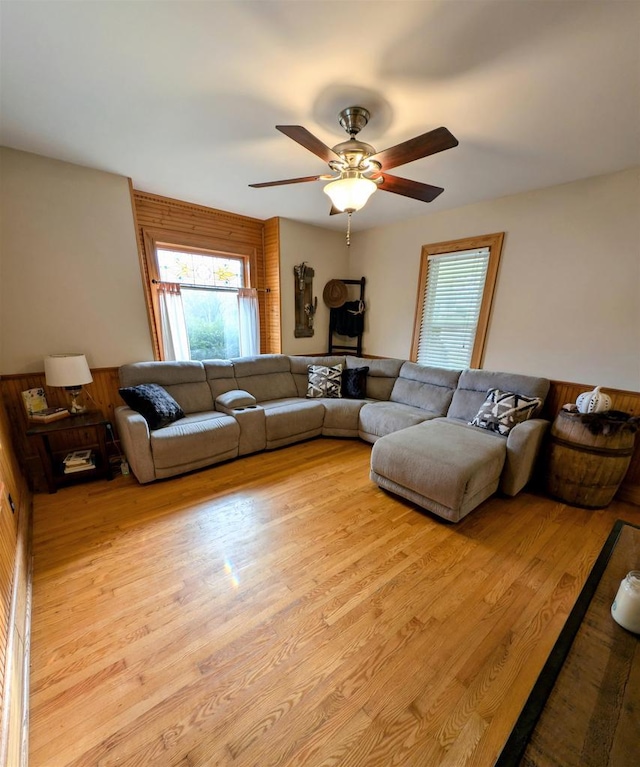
column 285, row 181
column 335, row 211
column 429, row 143
column 308, row 141
column 407, row 188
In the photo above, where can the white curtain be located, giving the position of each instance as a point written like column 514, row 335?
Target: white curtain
column 248, row 322
column 175, row 341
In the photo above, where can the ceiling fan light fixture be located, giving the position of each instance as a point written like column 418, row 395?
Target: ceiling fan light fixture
column 351, row 192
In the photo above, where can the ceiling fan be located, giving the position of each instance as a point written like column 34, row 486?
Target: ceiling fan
column 358, row 169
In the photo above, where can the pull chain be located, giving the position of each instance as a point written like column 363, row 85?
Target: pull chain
column 348, row 228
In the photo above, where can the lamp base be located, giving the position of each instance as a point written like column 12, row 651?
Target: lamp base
column 75, row 406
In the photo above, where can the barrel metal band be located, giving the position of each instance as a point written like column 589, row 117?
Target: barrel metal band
column 593, row 450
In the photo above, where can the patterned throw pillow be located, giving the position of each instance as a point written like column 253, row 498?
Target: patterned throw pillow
column 502, row 410
column 324, row 381
column 154, row 404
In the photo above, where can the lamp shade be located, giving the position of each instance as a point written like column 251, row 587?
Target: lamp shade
column 350, row 193
column 68, row 370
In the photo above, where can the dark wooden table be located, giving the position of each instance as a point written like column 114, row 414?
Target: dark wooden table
column 584, row 710
column 92, row 422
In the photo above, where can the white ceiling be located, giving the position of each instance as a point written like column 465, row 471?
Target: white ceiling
column 183, row 96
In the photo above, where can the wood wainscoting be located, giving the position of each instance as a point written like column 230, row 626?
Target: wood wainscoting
column 15, row 521
column 562, row 392
column 100, row 395
column 104, row 392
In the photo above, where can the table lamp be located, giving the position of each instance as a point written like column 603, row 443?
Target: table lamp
column 71, row 372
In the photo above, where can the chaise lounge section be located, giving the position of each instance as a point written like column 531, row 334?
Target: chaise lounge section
column 417, row 418
column 448, row 466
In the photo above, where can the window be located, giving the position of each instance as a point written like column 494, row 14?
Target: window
column 455, row 291
column 208, row 284
column 201, row 304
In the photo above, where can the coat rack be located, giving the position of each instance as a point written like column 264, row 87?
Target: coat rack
column 333, row 318
column 305, row 304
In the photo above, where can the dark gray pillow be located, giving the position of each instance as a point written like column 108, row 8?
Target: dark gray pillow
column 354, row 383
column 154, row 404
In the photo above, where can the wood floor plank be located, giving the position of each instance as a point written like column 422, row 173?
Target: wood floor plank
column 283, row 610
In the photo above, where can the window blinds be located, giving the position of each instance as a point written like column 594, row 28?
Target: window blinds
column 451, row 306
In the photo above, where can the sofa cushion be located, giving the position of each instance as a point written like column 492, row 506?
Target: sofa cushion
column 354, row 383
column 185, row 381
column 381, row 376
column 267, row 376
column 195, row 440
column 293, row 419
column 445, row 467
column 154, row 404
column 341, row 417
column 300, row 365
column 324, row 381
column 220, row 375
column 473, row 386
column 380, row 418
column 425, row 387
column 502, row 410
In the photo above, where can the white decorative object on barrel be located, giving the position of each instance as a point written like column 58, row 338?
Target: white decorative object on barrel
column 626, row 606
column 593, row 401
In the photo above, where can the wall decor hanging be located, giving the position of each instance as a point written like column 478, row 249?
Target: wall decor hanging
column 305, row 304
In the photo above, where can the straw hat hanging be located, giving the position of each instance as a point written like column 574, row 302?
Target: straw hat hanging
column 335, row 294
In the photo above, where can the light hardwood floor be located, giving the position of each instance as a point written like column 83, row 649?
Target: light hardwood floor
column 282, row 610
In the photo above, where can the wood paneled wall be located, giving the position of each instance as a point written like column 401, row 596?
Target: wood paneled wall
column 15, row 519
column 221, row 231
column 101, row 394
column 272, row 279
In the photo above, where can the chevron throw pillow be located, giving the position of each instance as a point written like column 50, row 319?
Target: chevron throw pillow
column 324, row 381
column 502, row 410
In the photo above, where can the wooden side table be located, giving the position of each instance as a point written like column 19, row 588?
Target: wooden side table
column 52, row 459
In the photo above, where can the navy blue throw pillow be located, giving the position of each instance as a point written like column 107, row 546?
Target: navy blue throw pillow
column 354, row 383
column 154, row 404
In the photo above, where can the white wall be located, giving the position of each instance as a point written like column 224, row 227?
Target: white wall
column 70, row 272
column 567, row 302
column 326, row 252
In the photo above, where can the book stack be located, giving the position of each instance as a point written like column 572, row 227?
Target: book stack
column 79, row 460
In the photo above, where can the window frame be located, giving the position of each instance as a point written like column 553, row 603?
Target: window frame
column 491, row 241
column 159, row 238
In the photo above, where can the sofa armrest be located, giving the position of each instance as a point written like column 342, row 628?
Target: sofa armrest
column 523, row 445
column 134, row 437
column 236, row 399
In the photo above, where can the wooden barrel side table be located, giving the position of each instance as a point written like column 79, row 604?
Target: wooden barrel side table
column 586, row 469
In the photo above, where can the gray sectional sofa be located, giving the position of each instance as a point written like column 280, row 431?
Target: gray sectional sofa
column 417, row 418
